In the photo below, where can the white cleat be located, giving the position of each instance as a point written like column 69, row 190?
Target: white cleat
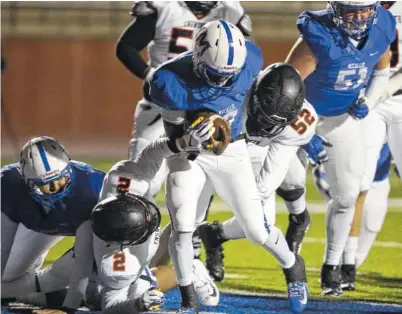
column 207, row 291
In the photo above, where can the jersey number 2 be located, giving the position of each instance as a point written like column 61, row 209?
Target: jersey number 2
column 304, row 120
column 181, row 40
column 119, row 261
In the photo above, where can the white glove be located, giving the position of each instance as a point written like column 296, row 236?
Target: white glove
column 195, row 135
column 151, row 299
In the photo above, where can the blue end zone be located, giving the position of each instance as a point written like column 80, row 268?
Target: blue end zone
column 247, row 304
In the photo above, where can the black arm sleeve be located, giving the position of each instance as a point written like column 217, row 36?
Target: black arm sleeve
column 136, row 37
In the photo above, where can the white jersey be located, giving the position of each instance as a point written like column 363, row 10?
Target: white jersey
column 298, row 133
column 396, row 46
column 177, row 26
column 271, row 157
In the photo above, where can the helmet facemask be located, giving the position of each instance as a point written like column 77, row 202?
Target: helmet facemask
column 354, row 20
column 49, row 191
column 201, row 8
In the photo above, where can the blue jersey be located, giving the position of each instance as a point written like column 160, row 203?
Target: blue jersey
column 175, row 86
column 383, row 164
column 18, row 204
column 343, row 70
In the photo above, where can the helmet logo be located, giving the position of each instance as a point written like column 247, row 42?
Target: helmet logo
column 203, row 43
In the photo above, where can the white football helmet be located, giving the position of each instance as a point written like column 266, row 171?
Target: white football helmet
column 354, row 18
column 45, row 166
column 219, row 53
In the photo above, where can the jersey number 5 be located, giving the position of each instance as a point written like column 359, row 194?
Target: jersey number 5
column 119, row 261
column 304, row 120
column 181, row 40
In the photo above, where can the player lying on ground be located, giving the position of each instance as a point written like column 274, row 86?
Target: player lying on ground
column 118, row 273
column 45, row 196
column 166, row 28
column 343, row 57
column 278, row 123
column 215, row 77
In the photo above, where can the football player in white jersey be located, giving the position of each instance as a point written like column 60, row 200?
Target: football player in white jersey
column 166, row 28
column 278, row 124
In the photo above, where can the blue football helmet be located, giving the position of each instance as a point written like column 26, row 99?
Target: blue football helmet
column 45, row 166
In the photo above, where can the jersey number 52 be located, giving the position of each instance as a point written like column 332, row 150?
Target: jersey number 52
column 302, row 123
column 181, row 40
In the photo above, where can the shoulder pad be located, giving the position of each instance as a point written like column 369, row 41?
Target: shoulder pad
column 254, row 57
column 233, row 11
column 302, row 130
column 314, row 28
column 84, row 167
column 123, row 172
column 11, row 172
column 143, row 8
column 387, row 23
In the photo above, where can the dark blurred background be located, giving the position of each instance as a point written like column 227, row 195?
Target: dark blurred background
column 62, row 78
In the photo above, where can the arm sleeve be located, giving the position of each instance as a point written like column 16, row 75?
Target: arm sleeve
column 8, row 231
column 275, row 167
column 377, row 85
column 82, row 268
column 138, row 34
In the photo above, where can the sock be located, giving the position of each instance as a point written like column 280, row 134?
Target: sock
column 182, row 254
column 349, row 253
column 339, row 221
column 277, row 246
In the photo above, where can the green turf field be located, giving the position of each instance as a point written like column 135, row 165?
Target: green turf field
column 251, row 268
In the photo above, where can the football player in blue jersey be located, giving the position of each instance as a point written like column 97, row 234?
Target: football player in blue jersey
column 215, row 76
column 45, row 196
column 343, row 54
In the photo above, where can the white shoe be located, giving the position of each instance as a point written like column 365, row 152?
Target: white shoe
column 207, row 291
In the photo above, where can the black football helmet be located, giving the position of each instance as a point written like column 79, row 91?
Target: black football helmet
column 201, row 8
column 275, row 101
column 125, row 219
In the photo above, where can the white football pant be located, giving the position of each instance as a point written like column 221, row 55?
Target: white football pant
column 345, row 169
column 231, row 176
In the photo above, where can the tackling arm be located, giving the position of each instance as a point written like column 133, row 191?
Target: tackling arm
column 275, row 167
column 302, row 58
column 378, row 81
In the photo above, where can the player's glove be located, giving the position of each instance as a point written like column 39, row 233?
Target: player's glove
column 152, row 299
column 315, row 150
column 359, row 110
column 196, row 134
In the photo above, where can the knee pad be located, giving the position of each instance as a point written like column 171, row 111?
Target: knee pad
column 290, row 195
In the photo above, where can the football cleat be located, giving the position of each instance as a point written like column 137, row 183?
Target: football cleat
column 298, row 296
column 331, row 280
column 210, row 235
column 189, row 303
column 297, row 228
column 297, row 285
column 207, row 291
column 348, row 277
